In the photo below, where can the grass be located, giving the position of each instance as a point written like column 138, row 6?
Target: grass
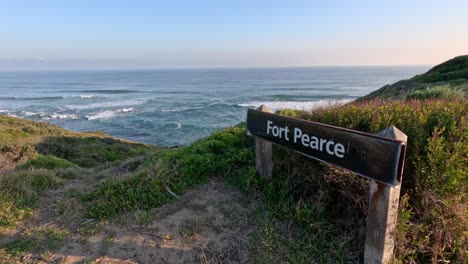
column 46, row 156
column 309, row 211
column 19, row 192
column 436, row 92
column 452, row 73
column 189, row 229
column 41, row 240
column 432, row 218
column 47, row 162
column 171, row 172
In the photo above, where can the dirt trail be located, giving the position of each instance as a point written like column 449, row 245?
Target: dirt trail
column 209, row 224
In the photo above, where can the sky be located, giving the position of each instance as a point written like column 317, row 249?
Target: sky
column 102, row 34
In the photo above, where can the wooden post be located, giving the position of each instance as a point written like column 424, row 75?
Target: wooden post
column 382, row 214
column 263, row 151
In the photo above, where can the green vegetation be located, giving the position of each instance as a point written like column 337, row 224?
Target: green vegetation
column 308, row 210
column 325, row 205
column 42, row 240
column 436, row 92
column 452, row 74
column 48, row 162
column 171, row 172
column 432, row 221
column 45, row 156
column 19, row 192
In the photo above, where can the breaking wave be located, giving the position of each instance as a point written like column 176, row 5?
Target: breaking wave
column 278, row 105
column 47, row 116
column 108, row 113
column 87, row 96
column 123, row 103
column 109, row 91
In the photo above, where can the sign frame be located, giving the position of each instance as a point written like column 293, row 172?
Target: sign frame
column 365, row 154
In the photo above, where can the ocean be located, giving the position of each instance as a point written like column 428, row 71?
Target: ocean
column 177, row 107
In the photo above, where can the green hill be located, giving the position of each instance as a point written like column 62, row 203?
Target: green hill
column 452, row 74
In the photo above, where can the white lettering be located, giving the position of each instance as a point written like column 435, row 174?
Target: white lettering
column 286, row 133
column 269, row 123
column 297, row 134
column 305, row 140
column 275, row 131
column 322, row 142
column 314, row 142
column 339, row 150
column 330, row 143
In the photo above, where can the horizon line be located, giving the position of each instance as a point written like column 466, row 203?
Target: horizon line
column 210, row 68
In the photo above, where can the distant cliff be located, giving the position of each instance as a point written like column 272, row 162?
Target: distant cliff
column 452, row 73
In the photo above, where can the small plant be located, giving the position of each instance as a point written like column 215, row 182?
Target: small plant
column 189, row 229
column 143, row 217
column 168, row 237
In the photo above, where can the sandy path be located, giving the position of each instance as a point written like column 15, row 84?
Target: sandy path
column 209, row 224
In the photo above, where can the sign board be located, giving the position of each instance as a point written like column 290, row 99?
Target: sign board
column 368, row 155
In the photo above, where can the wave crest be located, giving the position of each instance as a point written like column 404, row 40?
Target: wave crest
column 108, row 113
column 278, row 105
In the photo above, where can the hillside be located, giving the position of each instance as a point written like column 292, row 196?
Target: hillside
column 88, row 197
column 452, row 73
column 22, row 140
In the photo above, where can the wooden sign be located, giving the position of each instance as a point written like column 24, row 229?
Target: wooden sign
column 375, row 157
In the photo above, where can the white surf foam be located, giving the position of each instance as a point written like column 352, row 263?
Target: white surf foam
column 61, row 116
column 180, row 109
column 87, row 96
column 126, row 110
column 278, row 105
column 47, row 116
column 108, row 113
column 29, row 114
column 130, row 102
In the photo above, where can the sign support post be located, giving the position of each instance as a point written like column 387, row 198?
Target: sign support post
column 263, row 151
column 382, row 213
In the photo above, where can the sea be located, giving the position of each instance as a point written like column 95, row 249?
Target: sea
column 176, row 107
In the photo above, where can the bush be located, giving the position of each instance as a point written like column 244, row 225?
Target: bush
column 19, row 193
column 434, row 182
column 436, row 92
column 90, row 151
column 47, row 162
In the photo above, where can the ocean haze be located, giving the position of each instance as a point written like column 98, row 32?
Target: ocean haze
column 177, row 107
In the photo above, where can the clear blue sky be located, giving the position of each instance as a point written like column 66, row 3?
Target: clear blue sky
column 199, row 33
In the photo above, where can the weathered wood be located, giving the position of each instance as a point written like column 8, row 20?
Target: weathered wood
column 382, row 214
column 368, row 155
column 263, row 151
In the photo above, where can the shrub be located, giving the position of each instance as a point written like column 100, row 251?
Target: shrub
column 436, row 92
column 90, row 151
column 434, row 182
column 19, row 193
column 47, row 162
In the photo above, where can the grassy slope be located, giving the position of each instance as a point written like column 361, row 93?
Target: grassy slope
column 310, row 210
column 45, row 155
column 452, row 73
column 22, row 140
